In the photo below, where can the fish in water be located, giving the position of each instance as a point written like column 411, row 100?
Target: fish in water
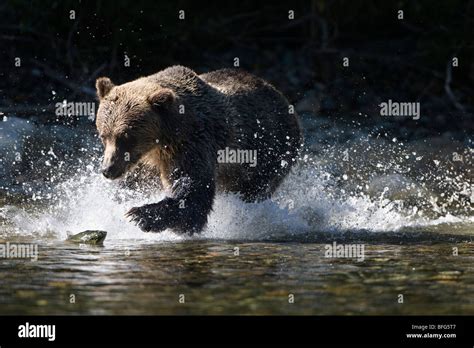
column 93, row 237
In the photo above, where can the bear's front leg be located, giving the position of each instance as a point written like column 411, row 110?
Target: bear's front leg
column 154, row 217
column 185, row 212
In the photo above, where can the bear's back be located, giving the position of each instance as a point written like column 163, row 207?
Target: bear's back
column 180, row 79
column 234, row 81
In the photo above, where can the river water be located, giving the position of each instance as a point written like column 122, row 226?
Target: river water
column 409, row 207
column 150, row 278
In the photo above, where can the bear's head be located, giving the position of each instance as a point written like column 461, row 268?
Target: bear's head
column 132, row 120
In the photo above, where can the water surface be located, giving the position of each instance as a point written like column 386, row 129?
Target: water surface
column 241, row 277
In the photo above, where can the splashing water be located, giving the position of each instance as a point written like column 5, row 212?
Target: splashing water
column 311, row 200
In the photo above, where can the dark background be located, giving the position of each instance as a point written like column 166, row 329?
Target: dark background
column 403, row 60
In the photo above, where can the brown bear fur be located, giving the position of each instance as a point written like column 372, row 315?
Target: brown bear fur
column 142, row 122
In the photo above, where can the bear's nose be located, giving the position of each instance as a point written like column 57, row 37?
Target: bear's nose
column 107, row 172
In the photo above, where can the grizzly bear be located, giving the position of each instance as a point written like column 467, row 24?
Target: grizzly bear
column 225, row 130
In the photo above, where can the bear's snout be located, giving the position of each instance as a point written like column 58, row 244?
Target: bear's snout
column 111, row 172
column 116, row 161
column 113, row 168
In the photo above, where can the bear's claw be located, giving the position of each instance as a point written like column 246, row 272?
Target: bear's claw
column 147, row 218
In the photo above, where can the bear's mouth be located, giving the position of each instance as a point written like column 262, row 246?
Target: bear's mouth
column 112, row 174
column 117, row 172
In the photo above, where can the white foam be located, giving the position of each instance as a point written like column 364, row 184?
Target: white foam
column 306, row 202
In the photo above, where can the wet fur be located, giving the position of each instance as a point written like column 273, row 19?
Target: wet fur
column 224, row 108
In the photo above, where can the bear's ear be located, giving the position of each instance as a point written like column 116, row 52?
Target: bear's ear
column 162, row 99
column 103, row 86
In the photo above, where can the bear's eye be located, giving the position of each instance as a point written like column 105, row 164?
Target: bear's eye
column 125, row 138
